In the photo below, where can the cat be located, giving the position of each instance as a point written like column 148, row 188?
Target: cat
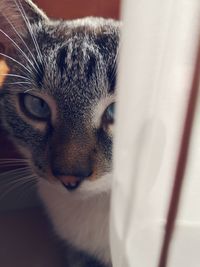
column 57, row 104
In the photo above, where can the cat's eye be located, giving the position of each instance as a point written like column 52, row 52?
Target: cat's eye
column 35, row 107
column 109, row 115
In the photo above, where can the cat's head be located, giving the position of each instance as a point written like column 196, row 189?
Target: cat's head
column 58, row 96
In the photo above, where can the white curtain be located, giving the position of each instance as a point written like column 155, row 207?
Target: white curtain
column 158, row 56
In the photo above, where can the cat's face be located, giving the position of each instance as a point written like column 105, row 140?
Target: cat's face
column 57, row 101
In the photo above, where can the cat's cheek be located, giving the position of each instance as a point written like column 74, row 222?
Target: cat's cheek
column 4, row 70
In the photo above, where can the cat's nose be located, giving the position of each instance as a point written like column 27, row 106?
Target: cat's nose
column 73, row 180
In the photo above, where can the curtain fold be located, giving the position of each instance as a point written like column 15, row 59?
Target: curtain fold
column 158, row 56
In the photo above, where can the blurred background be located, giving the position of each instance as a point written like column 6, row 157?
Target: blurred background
column 70, row 9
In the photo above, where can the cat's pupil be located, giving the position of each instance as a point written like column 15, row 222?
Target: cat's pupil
column 35, row 107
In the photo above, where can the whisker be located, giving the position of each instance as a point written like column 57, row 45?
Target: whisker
column 29, row 90
column 7, row 161
column 11, row 92
column 23, row 41
column 26, row 20
column 14, row 172
column 26, row 167
column 24, row 177
column 24, row 192
column 13, row 159
column 16, row 61
column 6, row 165
column 18, row 90
column 23, row 73
column 9, row 180
column 16, row 184
column 17, row 46
column 17, row 83
column 15, row 75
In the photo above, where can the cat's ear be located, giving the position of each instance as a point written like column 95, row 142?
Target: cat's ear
column 16, row 17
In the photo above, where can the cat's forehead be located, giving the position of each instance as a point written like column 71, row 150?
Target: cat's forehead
column 103, row 33
column 79, row 61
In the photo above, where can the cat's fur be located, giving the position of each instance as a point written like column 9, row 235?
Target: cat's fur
column 72, row 66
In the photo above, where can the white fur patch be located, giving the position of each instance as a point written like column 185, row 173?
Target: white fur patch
column 81, row 217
